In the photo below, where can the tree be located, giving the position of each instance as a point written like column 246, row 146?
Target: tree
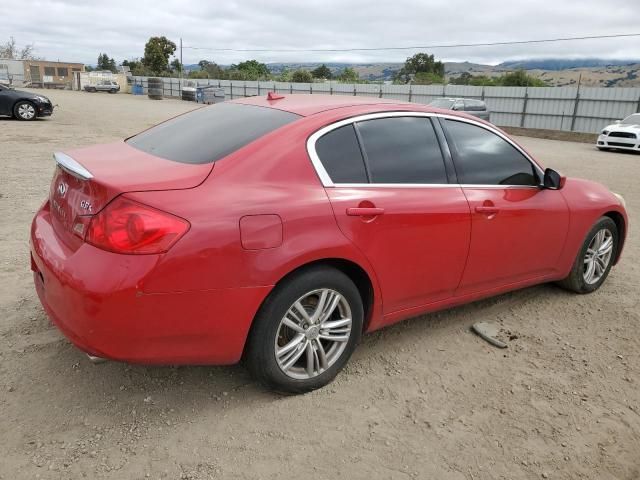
column 427, row 78
column 421, row 63
column 301, row 76
column 520, row 78
column 322, row 72
column 176, row 66
column 135, row 66
column 209, row 70
column 157, row 51
column 106, row 63
column 348, row 75
column 11, row 51
column 249, row 70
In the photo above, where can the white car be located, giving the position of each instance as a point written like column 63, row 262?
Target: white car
column 623, row 134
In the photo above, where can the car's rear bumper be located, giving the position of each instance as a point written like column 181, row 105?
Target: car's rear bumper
column 605, row 141
column 97, row 300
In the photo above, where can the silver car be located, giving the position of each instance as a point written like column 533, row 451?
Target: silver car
column 103, row 86
column 468, row 105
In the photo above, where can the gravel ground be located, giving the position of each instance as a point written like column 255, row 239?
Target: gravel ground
column 423, row 399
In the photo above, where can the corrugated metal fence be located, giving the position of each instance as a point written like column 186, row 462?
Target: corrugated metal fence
column 553, row 108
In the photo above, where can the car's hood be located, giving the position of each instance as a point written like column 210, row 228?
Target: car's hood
column 22, row 94
column 622, row 127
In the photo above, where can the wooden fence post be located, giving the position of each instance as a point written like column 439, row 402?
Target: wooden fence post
column 524, row 107
column 575, row 110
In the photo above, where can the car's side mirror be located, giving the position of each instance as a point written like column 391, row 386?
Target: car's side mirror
column 553, row 180
column 618, row 122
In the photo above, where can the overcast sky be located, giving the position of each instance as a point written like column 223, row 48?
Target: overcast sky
column 77, row 30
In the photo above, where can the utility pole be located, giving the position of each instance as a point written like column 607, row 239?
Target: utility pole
column 181, row 69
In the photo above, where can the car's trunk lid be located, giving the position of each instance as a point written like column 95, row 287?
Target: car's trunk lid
column 86, row 179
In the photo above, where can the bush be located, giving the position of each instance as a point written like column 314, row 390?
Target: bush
column 301, row 76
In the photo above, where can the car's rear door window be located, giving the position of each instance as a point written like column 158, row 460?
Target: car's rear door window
column 341, row 157
column 402, row 150
column 210, row 133
column 484, row 158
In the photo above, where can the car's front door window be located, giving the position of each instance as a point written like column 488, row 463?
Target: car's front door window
column 484, row 158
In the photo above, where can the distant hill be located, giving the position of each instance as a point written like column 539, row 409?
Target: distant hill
column 562, row 64
column 594, row 72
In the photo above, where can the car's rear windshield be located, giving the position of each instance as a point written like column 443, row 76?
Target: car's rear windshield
column 210, row 133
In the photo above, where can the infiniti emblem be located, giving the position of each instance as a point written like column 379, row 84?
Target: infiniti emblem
column 62, row 189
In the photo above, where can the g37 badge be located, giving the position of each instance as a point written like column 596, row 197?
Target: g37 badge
column 85, row 205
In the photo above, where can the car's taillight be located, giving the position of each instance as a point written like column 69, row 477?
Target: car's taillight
column 125, row 226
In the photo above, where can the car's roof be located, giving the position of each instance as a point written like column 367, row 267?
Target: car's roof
column 306, row 104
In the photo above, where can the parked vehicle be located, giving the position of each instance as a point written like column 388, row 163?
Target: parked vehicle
column 623, row 135
column 471, row 106
column 280, row 229
column 103, row 86
column 23, row 105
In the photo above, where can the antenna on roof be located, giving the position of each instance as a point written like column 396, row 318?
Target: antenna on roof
column 274, row 96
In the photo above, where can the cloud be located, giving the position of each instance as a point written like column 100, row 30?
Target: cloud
column 77, row 30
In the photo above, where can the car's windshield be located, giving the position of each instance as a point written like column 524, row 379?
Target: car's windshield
column 442, row 103
column 632, row 119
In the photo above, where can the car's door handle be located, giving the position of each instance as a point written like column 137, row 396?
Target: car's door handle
column 487, row 210
column 364, row 211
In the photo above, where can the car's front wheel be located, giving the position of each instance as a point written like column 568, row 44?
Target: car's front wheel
column 595, row 258
column 25, row 111
column 305, row 331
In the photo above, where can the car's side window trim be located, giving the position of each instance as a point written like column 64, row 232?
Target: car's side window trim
column 363, row 152
column 326, row 179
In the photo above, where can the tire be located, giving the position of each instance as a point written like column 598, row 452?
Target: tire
column 327, row 356
column 25, row 111
column 113, row 91
column 578, row 279
column 603, row 149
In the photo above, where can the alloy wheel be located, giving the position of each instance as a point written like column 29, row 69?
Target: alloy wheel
column 313, row 334
column 26, row 111
column 598, row 256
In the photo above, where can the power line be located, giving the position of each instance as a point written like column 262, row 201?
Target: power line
column 424, row 47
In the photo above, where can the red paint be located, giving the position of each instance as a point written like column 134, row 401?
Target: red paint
column 260, row 214
column 260, row 231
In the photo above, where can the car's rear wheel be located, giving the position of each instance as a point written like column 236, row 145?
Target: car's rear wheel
column 305, row 331
column 595, row 258
column 25, row 111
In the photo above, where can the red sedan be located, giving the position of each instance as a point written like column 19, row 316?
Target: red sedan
column 280, row 229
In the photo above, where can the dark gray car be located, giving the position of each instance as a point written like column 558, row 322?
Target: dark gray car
column 468, row 105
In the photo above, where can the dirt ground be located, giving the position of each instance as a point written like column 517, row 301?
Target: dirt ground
column 423, row 399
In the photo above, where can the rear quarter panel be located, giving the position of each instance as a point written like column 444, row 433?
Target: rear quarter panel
column 272, row 176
